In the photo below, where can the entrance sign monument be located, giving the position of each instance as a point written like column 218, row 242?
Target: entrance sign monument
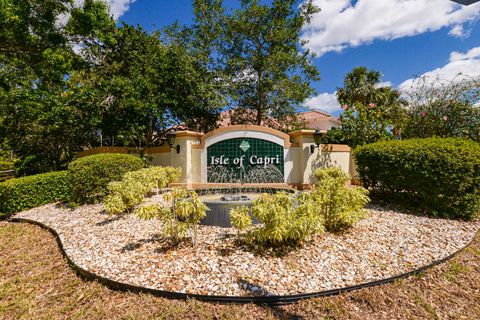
column 245, row 154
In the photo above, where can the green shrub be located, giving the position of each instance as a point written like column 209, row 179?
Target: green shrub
column 183, row 215
column 340, row 206
column 130, row 192
column 33, row 164
column 90, row 176
column 287, row 219
column 284, row 219
column 33, row 191
column 6, row 165
column 437, row 176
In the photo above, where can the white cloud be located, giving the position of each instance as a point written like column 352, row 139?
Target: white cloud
column 471, row 54
column 341, row 24
column 119, row 7
column 324, row 102
column 459, row 66
column 384, row 84
column 458, row 32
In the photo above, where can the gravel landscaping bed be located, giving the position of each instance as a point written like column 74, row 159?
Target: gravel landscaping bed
column 130, row 250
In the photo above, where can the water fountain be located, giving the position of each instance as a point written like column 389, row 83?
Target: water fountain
column 234, row 191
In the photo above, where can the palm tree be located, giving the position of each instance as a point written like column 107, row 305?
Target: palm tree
column 370, row 109
column 361, row 86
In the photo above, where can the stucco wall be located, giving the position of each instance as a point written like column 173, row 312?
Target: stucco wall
column 160, row 159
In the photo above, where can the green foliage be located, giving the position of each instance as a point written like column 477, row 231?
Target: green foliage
column 33, row 191
column 32, row 164
column 284, row 219
column 438, row 176
column 127, row 87
column 369, row 111
column 6, row 165
column 36, row 60
column 182, row 216
column 90, row 176
column 269, row 67
column 340, row 206
column 91, row 19
column 240, row 218
column 141, row 86
column 454, row 119
column 334, row 136
column 130, row 192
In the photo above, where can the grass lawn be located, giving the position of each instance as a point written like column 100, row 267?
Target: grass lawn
column 37, row 283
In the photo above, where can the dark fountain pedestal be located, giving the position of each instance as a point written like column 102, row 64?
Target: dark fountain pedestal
column 219, row 213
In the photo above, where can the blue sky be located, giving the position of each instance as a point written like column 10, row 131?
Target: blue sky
column 400, row 38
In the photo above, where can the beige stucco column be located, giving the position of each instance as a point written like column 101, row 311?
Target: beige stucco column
column 186, row 158
column 322, row 157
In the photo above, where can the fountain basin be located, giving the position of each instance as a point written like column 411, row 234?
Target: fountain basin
column 221, row 201
column 219, row 213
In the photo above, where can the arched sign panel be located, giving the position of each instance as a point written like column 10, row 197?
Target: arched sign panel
column 245, row 160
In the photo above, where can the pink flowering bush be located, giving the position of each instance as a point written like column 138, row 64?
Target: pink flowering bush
column 444, row 109
column 440, row 119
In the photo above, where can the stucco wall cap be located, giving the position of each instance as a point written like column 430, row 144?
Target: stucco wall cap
column 336, row 148
column 189, row 134
column 304, row 133
column 241, row 127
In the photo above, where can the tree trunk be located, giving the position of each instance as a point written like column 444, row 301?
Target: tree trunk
column 259, row 116
column 260, row 106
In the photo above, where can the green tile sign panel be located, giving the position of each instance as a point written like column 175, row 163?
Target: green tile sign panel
column 245, row 160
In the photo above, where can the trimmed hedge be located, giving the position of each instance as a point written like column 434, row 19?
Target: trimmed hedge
column 33, row 191
column 90, row 176
column 439, row 176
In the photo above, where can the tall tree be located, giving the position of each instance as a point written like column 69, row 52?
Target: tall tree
column 269, row 67
column 370, row 110
column 142, row 87
column 37, row 55
column 203, row 41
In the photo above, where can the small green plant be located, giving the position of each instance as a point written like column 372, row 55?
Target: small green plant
column 240, row 218
column 287, row 219
column 182, row 216
column 126, row 194
column 340, row 206
column 90, row 176
column 284, row 220
column 33, row 191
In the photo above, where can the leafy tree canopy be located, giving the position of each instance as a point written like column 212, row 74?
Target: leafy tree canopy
column 37, row 40
column 369, row 110
column 255, row 55
column 141, row 87
column 270, row 69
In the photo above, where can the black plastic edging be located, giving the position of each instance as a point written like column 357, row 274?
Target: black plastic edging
column 271, row 300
